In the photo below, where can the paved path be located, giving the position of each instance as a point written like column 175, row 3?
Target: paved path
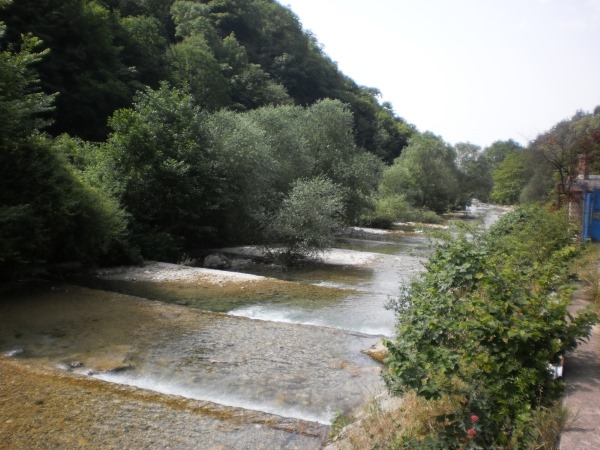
column 582, row 395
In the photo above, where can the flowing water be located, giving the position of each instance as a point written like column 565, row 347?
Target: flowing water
column 288, row 345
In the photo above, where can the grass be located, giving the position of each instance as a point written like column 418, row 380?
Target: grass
column 410, row 418
column 338, row 424
column 408, row 423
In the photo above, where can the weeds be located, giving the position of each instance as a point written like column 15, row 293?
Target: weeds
column 587, row 269
column 339, row 422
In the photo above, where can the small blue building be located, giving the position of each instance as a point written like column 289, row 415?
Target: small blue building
column 585, row 203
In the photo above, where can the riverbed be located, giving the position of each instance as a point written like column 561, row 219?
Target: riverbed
column 168, row 356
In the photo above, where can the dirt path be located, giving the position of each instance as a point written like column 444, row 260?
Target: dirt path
column 582, row 395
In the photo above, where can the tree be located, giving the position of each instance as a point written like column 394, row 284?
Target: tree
column 160, row 163
column 392, row 134
column 495, row 153
column 309, row 218
column 285, row 131
column 425, row 173
column 48, row 214
column 330, row 143
column 510, row 177
column 250, row 175
column 566, row 145
column 144, row 49
column 558, row 147
column 194, row 68
column 474, row 169
column 84, row 67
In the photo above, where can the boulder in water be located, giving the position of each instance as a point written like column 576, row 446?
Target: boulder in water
column 378, row 351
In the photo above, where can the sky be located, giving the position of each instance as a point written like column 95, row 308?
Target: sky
column 468, row 70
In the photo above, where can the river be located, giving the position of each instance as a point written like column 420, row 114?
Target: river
column 280, row 352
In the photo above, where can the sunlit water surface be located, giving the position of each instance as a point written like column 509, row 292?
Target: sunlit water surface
column 290, row 349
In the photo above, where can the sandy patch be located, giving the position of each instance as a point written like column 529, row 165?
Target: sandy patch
column 159, row 271
column 348, row 257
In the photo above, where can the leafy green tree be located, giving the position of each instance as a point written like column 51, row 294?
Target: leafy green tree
column 252, row 88
column 248, row 86
column 328, row 133
column 22, row 104
column 392, row 134
column 249, row 173
column 285, row 131
column 474, row 170
column 144, row 49
column 48, row 214
column 193, row 19
column 318, row 141
column 156, row 9
column 194, row 68
column 495, row 153
column 84, row 67
column 426, row 174
column 510, row 177
column 562, row 148
column 159, row 159
column 309, row 218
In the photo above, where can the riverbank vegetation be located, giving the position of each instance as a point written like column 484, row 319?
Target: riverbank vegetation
column 477, row 336
column 155, row 129
column 142, row 129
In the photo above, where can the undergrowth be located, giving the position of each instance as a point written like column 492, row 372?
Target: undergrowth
column 476, row 334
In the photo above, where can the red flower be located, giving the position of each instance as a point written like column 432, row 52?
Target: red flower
column 474, row 418
column 471, row 433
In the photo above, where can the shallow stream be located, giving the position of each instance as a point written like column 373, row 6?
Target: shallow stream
column 288, row 345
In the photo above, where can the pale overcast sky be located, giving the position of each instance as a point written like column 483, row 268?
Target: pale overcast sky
column 467, row 70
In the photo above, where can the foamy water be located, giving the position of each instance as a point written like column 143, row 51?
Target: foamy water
column 221, row 398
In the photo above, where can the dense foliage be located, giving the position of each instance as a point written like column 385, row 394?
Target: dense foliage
column 481, row 327
column 547, row 169
column 234, row 54
column 154, row 128
column 205, row 116
column 48, row 213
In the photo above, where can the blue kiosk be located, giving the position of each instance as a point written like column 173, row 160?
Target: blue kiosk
column 590, row 228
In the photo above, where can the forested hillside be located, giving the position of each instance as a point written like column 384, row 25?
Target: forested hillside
column 546, row 170
column 151, row 129
column 238, row 55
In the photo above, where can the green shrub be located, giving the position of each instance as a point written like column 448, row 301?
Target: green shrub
column 308, row 219
column 480, row 327
column 392, row 208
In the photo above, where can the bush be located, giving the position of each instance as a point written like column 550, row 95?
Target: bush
column 480, row 328
column 395, row 208
column 308, row 219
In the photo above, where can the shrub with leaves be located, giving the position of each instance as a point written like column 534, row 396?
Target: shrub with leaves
column 480, row 328
column 309, row 218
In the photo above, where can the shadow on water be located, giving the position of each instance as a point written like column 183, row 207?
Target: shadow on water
column 312, row 272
